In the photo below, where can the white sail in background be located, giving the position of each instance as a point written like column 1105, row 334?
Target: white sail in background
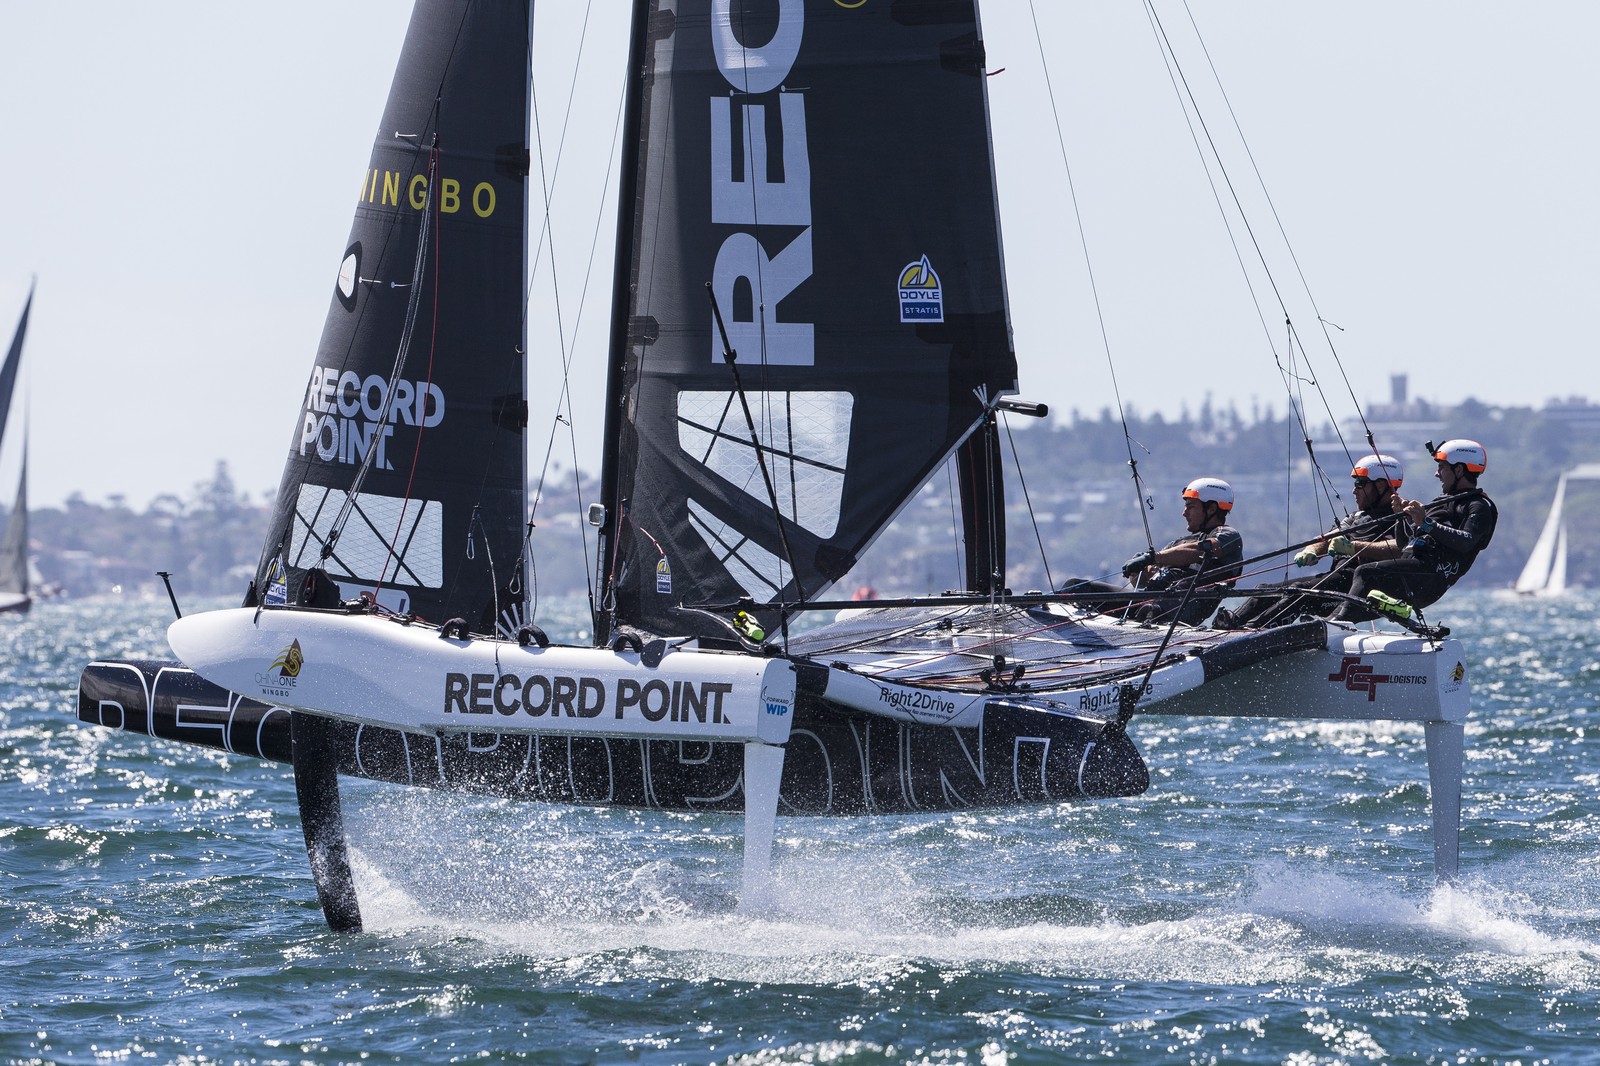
column 1558, row 566
column 1545, row 573
column 1538, row 570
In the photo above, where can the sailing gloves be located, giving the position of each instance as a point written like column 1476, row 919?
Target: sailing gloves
column 1341, row 546
column 1136, row 564
column 1306, row 557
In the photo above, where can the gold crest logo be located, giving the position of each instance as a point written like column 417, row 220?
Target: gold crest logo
column 289, row 660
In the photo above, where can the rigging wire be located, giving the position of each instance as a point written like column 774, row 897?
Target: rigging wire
column 1284, row 235
column 1191, row 107
column 567, row 343
column 1049, row 579
column 1083, row 240
column 426, row 230
column 758, row 298
column 957, row 543
column 433, row 348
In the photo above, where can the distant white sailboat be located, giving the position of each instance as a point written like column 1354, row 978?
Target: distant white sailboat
column 1545, row 572
column 14, row 598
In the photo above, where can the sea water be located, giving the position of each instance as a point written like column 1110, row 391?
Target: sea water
column 1270, row 899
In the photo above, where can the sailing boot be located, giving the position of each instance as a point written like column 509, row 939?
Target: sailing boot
column 1384, row 603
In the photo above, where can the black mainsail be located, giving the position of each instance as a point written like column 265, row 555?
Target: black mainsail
column 826, row 170
column 406, row 471
column 13, row 364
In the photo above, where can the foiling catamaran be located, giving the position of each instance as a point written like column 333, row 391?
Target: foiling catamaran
column 787, row 366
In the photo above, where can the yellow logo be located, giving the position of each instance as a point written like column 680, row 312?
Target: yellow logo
column 851, row 7
column 921, row 297
column 289, row 660
column 1459, row 672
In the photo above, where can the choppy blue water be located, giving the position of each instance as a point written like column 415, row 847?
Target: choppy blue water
column 1270, row 900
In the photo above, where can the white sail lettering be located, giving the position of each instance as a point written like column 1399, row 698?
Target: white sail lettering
column 349, row 394
column 345, row 414
column 432, row 405
column 785, row 343
column 372, row 393
column 756, row 199
column 757, row 70
column 318, row 390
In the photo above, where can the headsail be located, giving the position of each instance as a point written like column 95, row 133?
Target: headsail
column 406, row 471
column 827, row 170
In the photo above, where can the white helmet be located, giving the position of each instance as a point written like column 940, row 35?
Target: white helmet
column 1462, row 450
column 1210, row 490
column 1380, row 468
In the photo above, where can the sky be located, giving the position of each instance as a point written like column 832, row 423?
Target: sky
column 180, row 177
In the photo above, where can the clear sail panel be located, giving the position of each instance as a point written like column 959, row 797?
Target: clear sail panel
column 803, row 438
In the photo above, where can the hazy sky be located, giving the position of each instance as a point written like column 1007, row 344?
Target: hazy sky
column 181, row 176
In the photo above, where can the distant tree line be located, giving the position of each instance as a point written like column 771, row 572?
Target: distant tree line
column 1073, row 510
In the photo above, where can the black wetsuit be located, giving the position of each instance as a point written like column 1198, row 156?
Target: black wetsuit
column 1224, row 567
column 1456, row 528
column 1215, row 573
column 1286, row 601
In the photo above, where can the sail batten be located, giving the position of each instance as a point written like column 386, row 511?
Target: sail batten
column 853, row 248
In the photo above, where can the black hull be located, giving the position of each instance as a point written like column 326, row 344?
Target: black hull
column 838, row 762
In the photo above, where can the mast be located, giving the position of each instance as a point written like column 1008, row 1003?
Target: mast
column 618, row 347
column 983, row 508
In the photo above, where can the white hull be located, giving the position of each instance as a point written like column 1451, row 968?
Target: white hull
column 1362, row 676
column 375, row 671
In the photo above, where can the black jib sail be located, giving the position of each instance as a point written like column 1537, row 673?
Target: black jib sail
column 825, row 171
column 406, row 471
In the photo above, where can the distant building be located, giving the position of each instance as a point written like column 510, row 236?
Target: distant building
column 1574, row 413
column 1399, row 425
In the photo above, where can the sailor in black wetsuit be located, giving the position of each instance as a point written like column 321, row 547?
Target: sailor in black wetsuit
column 1209, row 558
column 1446, row 535
column 1370, row 534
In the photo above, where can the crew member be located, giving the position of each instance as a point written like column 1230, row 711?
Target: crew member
column 1445, row 536
column 1370, row 534
column 1209, row 558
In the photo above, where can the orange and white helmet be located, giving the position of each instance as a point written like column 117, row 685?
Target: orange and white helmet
column 1465, row 451
column 1380, row 468
column 1210, row 490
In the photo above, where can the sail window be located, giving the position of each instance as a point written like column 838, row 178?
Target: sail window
column 759, row 572
column 804, row 438
column 362, row 552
